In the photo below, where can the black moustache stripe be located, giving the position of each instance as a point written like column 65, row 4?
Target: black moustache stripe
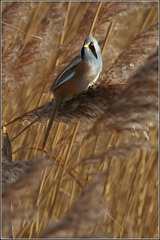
column 82, row 53
column 93, row 50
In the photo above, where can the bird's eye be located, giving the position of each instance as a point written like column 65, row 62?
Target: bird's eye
column 92, row 44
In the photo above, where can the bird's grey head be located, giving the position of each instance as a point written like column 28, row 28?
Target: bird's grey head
column 90, row 48
column 91, row 52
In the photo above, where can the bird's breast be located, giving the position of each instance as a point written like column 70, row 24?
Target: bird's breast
column 76, row 80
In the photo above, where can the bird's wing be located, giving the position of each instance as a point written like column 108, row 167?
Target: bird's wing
column 66, row 74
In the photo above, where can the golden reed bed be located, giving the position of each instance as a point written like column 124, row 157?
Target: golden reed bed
column 98, row 175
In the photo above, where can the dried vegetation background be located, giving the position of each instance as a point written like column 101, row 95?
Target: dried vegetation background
column 98, row 176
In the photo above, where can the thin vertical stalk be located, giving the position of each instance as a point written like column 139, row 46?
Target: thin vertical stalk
column 107, row 36
column 146, row 19
column 95, row 18
column 71, row 143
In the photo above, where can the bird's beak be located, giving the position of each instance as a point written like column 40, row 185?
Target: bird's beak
column 86, row 45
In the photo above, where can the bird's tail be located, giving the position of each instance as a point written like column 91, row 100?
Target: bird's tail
column 53, row 114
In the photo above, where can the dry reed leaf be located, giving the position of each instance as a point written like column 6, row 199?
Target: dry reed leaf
column 6, row 209
column 81, row 218
column 75, row 22
column 133, row 183
column 132, row 170
column 14, row 15
column 7, row 148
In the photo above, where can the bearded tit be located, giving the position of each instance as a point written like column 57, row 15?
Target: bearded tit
column 81, row 73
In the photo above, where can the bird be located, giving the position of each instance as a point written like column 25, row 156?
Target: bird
column 81, row 73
